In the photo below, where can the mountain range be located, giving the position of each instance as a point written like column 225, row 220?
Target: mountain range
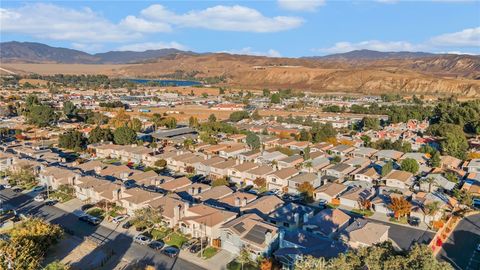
column 362, row 71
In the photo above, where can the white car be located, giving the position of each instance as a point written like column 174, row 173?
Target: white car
column 119, row 219
column 7, row 185
column 39, row 198
column 142, row 239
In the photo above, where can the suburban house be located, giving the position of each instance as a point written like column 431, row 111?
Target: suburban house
column 136, row 198
column 294, row 244
column 438, row 181
column 367, row 174
column 251, row 232
column 235, row 201
column 341, row 150
column 204, row 221
column 259, row 172
column 364, row 152
column 237, row 173
column 175, row 184
column 204, row 167
column 262, row 206
column 54, row 177
column 290, row 161
column 364, row 233
column 279, row 179
column 386, row 155
column 473, row 166
column 329, row 192
column 290, row 215
column 327, row 223
column 172, row 208
column 295, row 182
column 219, row 170
column 398, row 179
column 354, row 197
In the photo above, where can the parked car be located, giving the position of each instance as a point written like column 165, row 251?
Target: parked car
column 322, row 203
column 171, row 251
column 90, row 220
column 51, row 202
column 7, row 185
column 87, row 206
column 39, row 188
column 17, row 189
column 156, row 245
column 195, row 248
column 119, row 219
column 414, row 221
column 2, row 187
column 142, row 239
column 189, row 243
column 39, row 198
column 127, row 225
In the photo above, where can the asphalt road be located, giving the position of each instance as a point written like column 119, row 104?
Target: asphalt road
column 460, row 247
column 122, row 244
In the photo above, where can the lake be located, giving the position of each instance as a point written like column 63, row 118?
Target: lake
column 168, row 82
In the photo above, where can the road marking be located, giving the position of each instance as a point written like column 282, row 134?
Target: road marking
column 472, row 260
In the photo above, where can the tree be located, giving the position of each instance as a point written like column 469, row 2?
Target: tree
column 121, row 119
column 253, row 140
column 212, row 118
column 156, row 119
column 400, row 207
column 136, row 124
column 169, row 122
column 455, row 144
column 73, row 140
column 266, row 92
column 370, row 123
column 193, row 122
column 430, row 181
column 306, row 189
column 266, row 264
column 463, row 197
column 308, row 262
column 260, row 182
column 244, row 257
column 410, row 165
column 29, row 241
column 275, row 98
column 41, row 116
column 124, row 135
column 147, row 217
column 161, row 163
column 23, row 177
column 99, row 134
column 432, row 209
column 222, row 181
column 306, row 153
column 70, row 110
column 387, row 168
column 436, row 160
column 238, row 116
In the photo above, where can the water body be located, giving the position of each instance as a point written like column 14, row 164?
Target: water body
column 167, row 82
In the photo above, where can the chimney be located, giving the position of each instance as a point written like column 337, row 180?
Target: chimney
column 237, row 201
column 305, row 218
column 244, row 201
column 192, row 191
column 124, row 176
column 268, row 237
column 176, row 213
column 296, row 218
column 97, row 169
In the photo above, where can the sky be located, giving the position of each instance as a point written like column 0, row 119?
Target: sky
column 282, row 28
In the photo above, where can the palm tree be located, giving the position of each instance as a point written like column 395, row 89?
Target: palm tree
column 400, row 207
column 431, row 181
column 432, row 209
column 309, row 166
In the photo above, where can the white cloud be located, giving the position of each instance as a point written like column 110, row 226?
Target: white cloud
column 140, row 47
column 141, row 25
column 223, row 18
column 301, row 5
column 250, row 51
column 49, row 21
column 375, row 45
column 469, row 37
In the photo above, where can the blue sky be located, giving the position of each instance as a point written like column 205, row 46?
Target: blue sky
column 289, row 28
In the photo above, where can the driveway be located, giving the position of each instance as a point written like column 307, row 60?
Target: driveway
column 460, row 247
column 111, row 239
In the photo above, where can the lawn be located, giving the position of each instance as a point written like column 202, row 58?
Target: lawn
column 160, row 233
column 234, row 265
column 96, row 212
column 402, row 220
column 209, row 252
column 362, row 212
column 116, row 211
column 60, row 196
column 175, row 239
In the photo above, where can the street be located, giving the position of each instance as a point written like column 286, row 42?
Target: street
column 460, row 248
column 120, row 243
